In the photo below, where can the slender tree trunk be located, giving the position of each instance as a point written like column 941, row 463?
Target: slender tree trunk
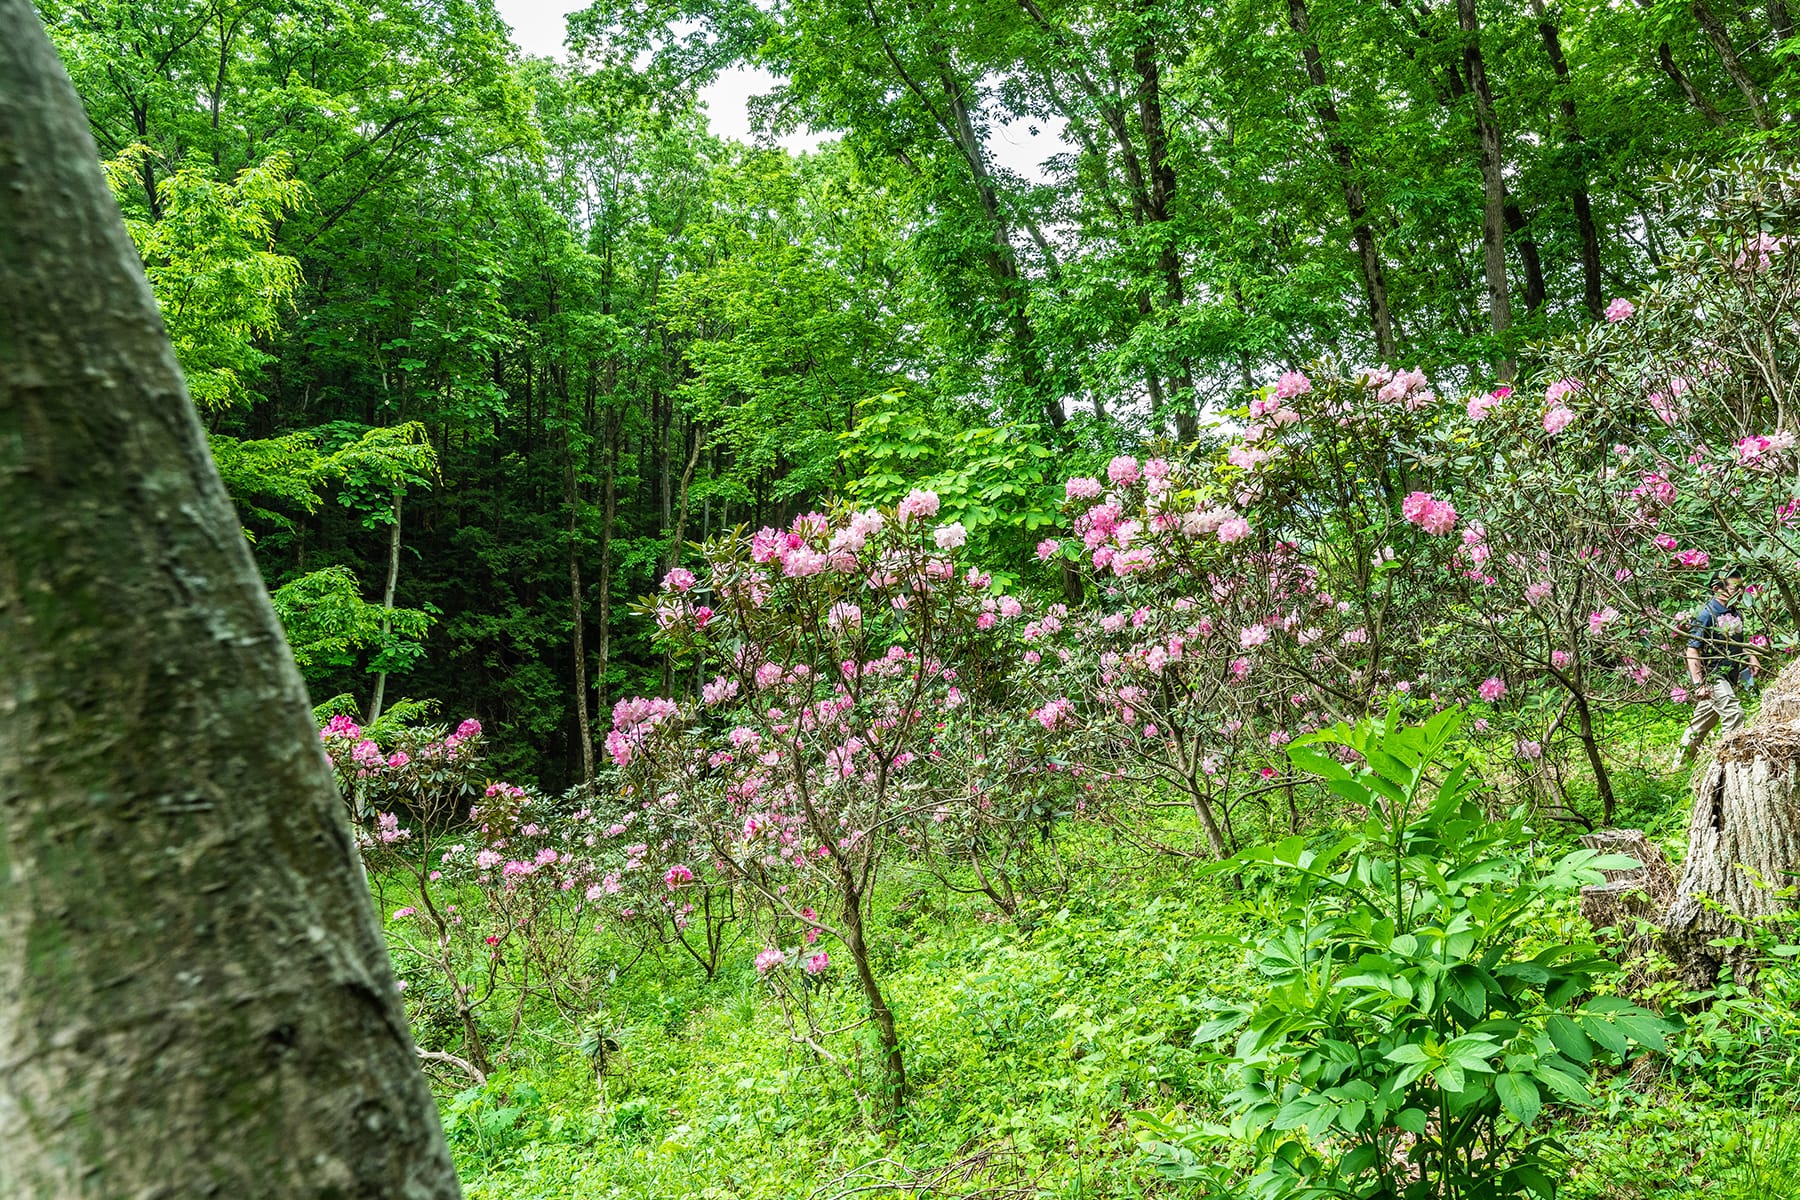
column 1720, row 37
column 1591, row 294
column 681, row 507
column 1665, row 58
column 195, row 997
column 1493, row 185
column 1160, row 194
column 609, row 511
column 887, row 1030
column 583, row 723
column 1368, row 257
column 1520, row 228
column 1590, row 742
column 387, row 607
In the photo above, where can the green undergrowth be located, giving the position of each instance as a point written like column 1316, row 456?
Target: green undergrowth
column 1035, row 1042
column 1030, row 1043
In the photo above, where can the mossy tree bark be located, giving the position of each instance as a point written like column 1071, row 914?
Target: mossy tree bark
column 195, row 999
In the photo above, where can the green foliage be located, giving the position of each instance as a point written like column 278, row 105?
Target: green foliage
column 1411, row 1013
column 329, row 624
column 211, row 260
column 996, row 480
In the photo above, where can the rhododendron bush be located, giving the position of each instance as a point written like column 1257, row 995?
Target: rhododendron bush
column 486, row 887
column 838, row 656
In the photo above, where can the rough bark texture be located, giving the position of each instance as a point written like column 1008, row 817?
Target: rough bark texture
column 195, row 999
column 1743, row 837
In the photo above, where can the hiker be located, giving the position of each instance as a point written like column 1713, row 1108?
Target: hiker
column 1719, row 661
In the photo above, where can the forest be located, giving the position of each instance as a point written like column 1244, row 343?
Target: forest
column 1190, row 671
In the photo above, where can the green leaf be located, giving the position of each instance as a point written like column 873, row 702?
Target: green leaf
column 1518, row 1096
column 1569, row 1039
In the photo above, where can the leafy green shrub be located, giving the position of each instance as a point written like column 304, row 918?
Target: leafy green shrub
column 1411, row 1029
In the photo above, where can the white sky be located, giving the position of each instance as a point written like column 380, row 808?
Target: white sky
column 538, row 28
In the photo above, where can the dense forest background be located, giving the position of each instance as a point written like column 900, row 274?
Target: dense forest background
column 484, row 340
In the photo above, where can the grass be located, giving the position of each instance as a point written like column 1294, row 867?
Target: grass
column 1031, row 1043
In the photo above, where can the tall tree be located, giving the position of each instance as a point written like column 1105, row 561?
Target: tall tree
column 195, row 997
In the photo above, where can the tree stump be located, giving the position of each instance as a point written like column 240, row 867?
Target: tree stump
column 1643, row 892
column 1743, row 838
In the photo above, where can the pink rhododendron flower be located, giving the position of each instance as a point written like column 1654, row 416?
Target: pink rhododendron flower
column 1492, row 688
column 1255, row 635
column 1557, row 419
column 677, row 875
column 1055, row 714
column 1123, row 470
column 679, row 579
column 1432, row 515
column 813, row 964
column 1233, row 529
column 1082, row 487
column 918, row 503
column 1620, row 310
column 1693, row 558
column 1291, row 384
column 768, row 960
column 951, row 536
column 1481, row 406
column 1598, row 621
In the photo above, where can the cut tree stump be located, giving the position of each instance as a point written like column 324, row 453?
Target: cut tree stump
column 1643, row 892
column 1743, row 839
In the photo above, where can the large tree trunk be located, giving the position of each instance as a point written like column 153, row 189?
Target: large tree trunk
column 1743, row 837
column 195, row 999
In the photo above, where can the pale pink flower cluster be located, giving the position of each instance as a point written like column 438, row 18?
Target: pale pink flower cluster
column 1620, row 310
column 918, row 503
column 1491, row 689
column 1480, row 406
column 1408, row 388
column 1557, row 419
column 1291, row 384
column 1082, row 487
column 632, row 721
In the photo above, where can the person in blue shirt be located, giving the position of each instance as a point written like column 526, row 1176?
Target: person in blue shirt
column 1719, row 661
